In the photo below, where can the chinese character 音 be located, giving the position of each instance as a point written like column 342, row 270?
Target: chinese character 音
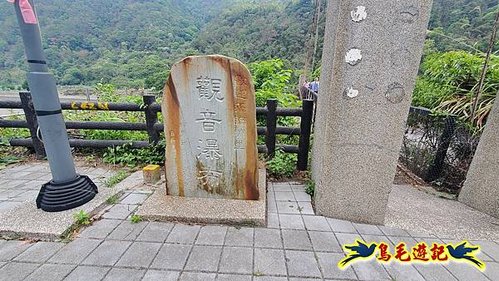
column 208, row 121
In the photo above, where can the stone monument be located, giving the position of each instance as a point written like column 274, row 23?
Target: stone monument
column 371, row 56
column 210, row 129
column 481, row 188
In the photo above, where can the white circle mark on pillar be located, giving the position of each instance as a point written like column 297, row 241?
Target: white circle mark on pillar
column 351, row 92
column 359, row 14
column 353, row 56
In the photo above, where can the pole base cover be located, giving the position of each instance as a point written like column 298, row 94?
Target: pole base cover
column 62, row 196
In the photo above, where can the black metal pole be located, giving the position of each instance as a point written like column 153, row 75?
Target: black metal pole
column 437, row 166
column 305, row 129
column 32, row 121
column 67, row 189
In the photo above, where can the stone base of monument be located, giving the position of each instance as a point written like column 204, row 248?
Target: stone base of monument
column 163, row 207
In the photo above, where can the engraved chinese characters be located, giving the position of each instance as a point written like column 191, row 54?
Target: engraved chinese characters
column 210, row 128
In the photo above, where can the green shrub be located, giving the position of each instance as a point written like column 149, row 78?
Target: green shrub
column 126, row 155
column 282, row 165
column 272, row 81
column 310, row 187
column 449, row 83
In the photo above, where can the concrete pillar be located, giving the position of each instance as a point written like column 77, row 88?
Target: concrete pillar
column 481, row 188
column 371, row 56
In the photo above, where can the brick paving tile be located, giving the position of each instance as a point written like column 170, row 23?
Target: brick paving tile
column 341, row 226
column 183, row 234
column 39, row 252
column 194, row 276
column 87, row 273
column 233, row 277
column 329, row 264
column 269, row 262
column 163, row 275
column 272, row 221
column 318, row 223
column 14, row 271
column 236, row 260
column 155, row 232
column 171, row 256
column 367, row 229
column 268, row 238
column 465, row 272
column 296, row 240
column 119, row 211
column 52, row 272
column 135, row 199
column 291, row 221
column 324, row 241
column 75, row 251
column 302, row 264
column 212, row 235
column 290, row 208
column 371, row 271
column 492, row 270
column 119, row 274
column 284, row 196
column 10, row 249
column 239, row 236
column 270, row 278
column 434, row 272
column 139, row 254
column 204, row 258
column 100, row 229
column 127, row 231
column 107, row 253
column 403, row 272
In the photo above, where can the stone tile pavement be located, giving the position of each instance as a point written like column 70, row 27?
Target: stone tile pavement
column 296, row 245
column 19, row 187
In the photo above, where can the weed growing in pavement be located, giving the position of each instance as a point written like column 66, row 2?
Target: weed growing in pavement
column 113, row 199
column 135, row 218
column 116, row 178
column 310, row 187
column 82, row 218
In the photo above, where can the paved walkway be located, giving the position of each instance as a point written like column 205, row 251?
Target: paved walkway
column 296, row 245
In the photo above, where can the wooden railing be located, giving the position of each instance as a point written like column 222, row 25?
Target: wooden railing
column 154, row 129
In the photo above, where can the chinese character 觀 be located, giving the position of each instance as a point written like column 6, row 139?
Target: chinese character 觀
column 209, row 89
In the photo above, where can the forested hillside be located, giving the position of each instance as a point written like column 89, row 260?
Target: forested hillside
column 132, row 43
column 120, row 41
column 465, row 24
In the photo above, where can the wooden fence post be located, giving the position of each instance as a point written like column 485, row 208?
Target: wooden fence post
column 437, row 166
column 29, row 112
column 151, row 118
column 270, row 135
column 305, row 129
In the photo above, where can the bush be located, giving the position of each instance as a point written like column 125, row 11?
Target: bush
column 450, row 82
column 272, row 81
column 282, row 165
column 126, row 155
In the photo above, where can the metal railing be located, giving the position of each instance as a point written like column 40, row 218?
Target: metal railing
column 437, row 148
column 154, row 129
